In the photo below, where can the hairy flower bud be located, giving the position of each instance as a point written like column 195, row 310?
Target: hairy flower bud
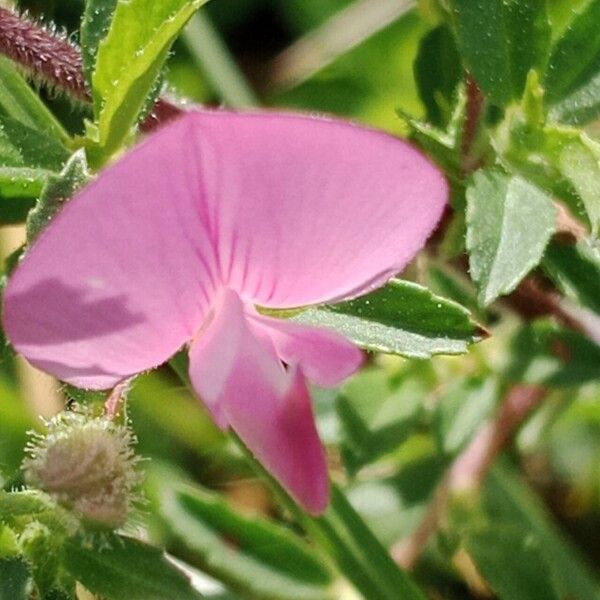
column 87, row 465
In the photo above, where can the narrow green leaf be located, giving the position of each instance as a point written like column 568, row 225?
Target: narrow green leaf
column 129, row 61
column 20, row 182
column 575, row 58
column 31, row 147
column 94, row 27
column 400, row 318
column 20, row 102
column 576, row 271
column 581, row 106
column 509, row 499
column 545, row 354
column 122, row 568
column 580, row 163
column 212, row 55
column 500, row 41
column 392, row 579
column 15, row 579
column 438, row 71
column 509, row 223
column 512, row 562
column 255, row 556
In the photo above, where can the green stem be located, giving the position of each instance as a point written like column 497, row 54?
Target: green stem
column 215, row 60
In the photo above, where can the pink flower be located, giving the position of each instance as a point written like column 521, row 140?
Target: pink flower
column 179, row 241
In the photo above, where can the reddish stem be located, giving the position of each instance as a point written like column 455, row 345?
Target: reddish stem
column 474, row 113
column 44, row 54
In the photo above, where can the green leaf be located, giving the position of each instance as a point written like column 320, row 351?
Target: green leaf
column 343, row 519
column 129, row 61
column 58, row 189
column 580, row 163
column 563, row 160
column 456, row 286
column 94, row 27
column 218, row 65
column 400, row 318
column 500, row 41
column 438, row 71
column 15, row 579
column 575, row 58
column 508, row 499
column 545, row 354
column 444, row 146
column 21, row 103
column 576, row 271
column 122, row 568
column 28, row 158
column 377, row 415
column 462, row 410
column 254, row 556
column 509, row 223
column 20, row 182
column 21, row 145
column 512, row 562
column 580, row 107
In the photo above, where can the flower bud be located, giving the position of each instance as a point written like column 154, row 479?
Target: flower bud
column 87, row 465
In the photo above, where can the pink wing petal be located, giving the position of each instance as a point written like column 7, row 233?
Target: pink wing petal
column 238, row 375
column 123, row 276
column 308, row 210
column 325, row 357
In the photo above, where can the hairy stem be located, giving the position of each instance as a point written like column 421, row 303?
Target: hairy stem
column 45, row 55
column 50, row 58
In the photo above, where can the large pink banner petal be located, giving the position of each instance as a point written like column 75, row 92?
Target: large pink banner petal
column 306, row 210
column 124, row 275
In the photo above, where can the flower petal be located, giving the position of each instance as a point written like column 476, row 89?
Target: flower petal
column 325, row 357
column 241, row 380
column 309, row 210
column 123, row 276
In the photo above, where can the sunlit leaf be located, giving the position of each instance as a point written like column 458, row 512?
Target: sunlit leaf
column 129, row 61
column 401, row 318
